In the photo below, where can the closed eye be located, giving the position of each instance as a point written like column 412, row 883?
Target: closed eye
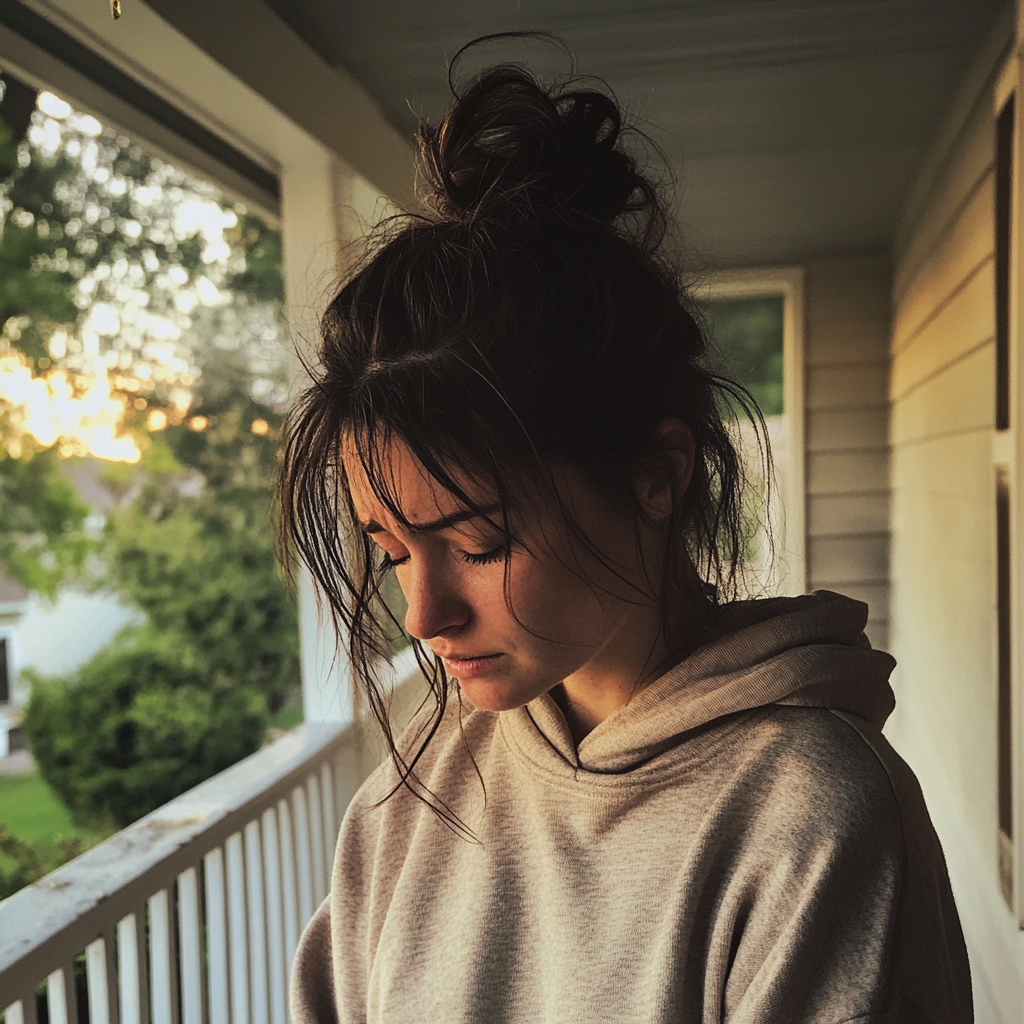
column 487, row 558
column 387, row 563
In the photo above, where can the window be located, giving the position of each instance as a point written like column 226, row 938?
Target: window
column 5, row 671
column 755, row 319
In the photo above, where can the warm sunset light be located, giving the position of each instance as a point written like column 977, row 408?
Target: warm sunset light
column 156, row 420
column 260, row 427
column 78, row 413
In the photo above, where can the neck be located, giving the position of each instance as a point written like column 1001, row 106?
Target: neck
column 633, row 657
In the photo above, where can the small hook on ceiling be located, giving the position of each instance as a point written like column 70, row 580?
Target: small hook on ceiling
column 115, row 9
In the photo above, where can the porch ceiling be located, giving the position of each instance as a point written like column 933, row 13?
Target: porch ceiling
column 795, row 127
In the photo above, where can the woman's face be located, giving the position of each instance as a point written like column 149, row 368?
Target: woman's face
column 566, row 616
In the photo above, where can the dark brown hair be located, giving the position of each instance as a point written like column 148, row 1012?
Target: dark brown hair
column 532, row 320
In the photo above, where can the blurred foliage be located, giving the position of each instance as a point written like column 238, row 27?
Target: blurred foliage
column 137, row 725
column 42, row 537
column 194, row 549
column 747, row 336
column 86, row 216
column 22, row 862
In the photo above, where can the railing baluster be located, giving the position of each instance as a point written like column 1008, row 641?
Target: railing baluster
column 257, row 924
column 216, row 936
column 60, row 995
column 330, row 820
column 277, row 969
column 162, row 959
column 102, row 994
column 131, row 963
column 316, row 839
column 238, row 945
column 15, row 1013
column 190, row 943
column 28, row 1008
column 303, row 859
column 237, row 935
column 289, row 884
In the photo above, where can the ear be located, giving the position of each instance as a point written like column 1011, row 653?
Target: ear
column 664, row 481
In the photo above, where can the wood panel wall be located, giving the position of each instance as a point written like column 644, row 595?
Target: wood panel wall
column 847, row 333
column 943, row 621
column 942, row 391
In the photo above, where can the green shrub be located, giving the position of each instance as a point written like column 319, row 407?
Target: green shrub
column 142, row 722
column 22, row 862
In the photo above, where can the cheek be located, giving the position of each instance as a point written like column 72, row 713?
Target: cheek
column 551, row 601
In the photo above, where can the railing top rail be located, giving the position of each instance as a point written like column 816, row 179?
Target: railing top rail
column 70, row 907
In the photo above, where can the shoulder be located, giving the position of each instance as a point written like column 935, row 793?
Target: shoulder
column 808, row 772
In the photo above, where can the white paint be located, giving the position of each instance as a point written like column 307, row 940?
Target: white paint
column 56, row 638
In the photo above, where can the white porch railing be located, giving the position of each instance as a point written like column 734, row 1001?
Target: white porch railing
column 193, row 913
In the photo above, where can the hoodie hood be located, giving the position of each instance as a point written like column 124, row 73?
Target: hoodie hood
column 809, row 651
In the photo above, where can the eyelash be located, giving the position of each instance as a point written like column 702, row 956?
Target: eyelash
column 387, row 563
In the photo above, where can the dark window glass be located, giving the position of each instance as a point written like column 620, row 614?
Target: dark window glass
column 5, row 675
column 1004, row 219
column 746, row 337
column 1004, row 739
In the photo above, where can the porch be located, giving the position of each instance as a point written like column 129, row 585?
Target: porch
column 855, row 157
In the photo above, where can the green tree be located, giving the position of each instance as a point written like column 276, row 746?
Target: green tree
column 42, row 539
column 195, row 550
column 90, row 223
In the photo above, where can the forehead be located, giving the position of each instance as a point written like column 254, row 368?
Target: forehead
column 403, row 478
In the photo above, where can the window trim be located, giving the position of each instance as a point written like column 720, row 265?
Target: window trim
column 787, row 282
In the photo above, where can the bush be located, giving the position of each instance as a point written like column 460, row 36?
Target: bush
column 22, row 862
column 142, row 722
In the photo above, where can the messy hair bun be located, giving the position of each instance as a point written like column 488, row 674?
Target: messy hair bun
column 511, row 151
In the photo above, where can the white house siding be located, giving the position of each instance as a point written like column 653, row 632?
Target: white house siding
column 942, row 552
column 847, row 325
column 54, row 639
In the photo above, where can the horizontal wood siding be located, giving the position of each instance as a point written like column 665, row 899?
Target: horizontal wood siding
column 942, row 390
column 943, row 620
column 847, row 325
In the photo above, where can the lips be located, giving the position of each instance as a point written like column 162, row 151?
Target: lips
column 465, row 666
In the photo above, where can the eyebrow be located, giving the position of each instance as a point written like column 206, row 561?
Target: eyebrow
column 433, row 525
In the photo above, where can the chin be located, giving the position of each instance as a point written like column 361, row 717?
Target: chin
column 497, row 696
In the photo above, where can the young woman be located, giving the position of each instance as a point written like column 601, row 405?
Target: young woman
column 632, row 797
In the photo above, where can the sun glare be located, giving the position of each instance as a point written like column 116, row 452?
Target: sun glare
column 79, row 414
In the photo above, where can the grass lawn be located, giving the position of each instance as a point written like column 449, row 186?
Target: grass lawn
column 30, row 810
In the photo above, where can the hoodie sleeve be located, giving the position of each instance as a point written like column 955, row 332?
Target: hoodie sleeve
column 851, row 921
column 312, row 987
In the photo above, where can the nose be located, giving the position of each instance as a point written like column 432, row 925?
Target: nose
column 436, row 606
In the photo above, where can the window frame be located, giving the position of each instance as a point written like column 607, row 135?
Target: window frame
column 787, row 283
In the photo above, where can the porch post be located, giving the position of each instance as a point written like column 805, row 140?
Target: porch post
column 324, row 208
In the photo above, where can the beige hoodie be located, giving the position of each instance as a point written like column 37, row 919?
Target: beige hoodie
column 737, row 844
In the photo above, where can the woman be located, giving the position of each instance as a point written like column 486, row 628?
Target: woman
column 633, row 797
